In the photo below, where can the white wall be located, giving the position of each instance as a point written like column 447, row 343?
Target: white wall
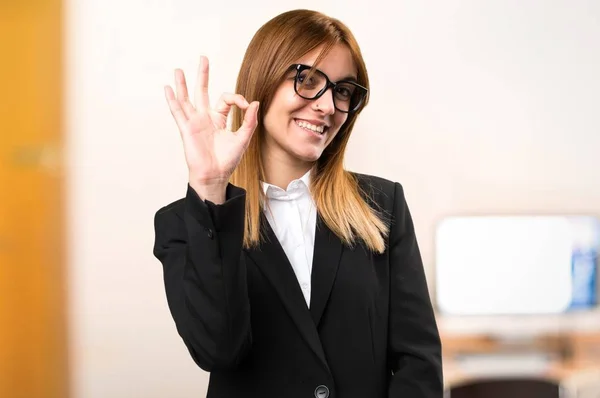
column 477, row 107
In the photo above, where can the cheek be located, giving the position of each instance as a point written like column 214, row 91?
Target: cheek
column 296, row 104
column 286, row 101
column 339, row 119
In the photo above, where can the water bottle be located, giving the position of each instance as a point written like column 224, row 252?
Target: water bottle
column 584, row 263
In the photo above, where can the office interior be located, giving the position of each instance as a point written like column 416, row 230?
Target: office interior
column 486, row 112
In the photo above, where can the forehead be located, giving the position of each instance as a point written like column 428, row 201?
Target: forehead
column 337, row 64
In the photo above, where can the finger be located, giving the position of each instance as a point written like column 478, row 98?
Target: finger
column 181, row 85
column 227, row 100
column 202, row 85
column 182, row 93
column 175, row 107
column 249, row 124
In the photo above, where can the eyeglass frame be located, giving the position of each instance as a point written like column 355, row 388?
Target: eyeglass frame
column 299, row 68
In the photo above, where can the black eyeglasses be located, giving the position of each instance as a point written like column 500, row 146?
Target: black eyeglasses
column 311, row 83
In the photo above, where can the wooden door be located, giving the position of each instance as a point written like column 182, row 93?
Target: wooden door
column 33, row 340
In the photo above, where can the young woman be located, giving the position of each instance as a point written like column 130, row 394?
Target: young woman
column 287, row 275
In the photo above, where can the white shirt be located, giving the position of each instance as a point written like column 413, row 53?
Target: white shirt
column 292, row 215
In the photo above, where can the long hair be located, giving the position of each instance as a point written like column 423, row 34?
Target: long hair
column 336, row 192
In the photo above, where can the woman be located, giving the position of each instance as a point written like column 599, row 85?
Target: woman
column 286, row 275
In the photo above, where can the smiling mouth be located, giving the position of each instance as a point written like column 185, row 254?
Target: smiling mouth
column 311, row 127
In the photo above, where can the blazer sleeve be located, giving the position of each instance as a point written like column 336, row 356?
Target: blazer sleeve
column 200, row 247
column 414, row 347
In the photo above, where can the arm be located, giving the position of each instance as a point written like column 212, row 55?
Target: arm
column 200, row 249
column 414, row 347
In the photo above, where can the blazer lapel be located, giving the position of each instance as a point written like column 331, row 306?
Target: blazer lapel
column 327, row 256
column 273, row 262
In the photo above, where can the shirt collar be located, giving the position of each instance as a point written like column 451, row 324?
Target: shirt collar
column 295, row 189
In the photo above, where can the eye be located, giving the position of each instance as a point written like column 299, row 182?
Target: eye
column 310, row 82
column 344, row 91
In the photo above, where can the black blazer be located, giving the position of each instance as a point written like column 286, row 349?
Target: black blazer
column 370, row 331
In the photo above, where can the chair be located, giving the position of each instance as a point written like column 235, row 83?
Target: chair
column 507, row 388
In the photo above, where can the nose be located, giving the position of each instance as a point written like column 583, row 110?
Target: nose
column 325, row 103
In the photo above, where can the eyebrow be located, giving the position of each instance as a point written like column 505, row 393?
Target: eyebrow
column 349, row 79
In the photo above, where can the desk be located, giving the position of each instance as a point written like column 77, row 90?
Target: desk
column 564, row 348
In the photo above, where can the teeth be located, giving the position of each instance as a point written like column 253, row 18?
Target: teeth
column 306, row 125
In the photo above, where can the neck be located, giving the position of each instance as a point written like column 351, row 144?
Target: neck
column 280, row 172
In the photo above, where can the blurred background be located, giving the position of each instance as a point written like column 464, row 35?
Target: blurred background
column 486, row 111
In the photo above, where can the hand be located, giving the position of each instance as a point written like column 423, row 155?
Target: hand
column 211, row 150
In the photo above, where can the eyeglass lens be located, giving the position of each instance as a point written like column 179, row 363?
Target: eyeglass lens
column 311, row 83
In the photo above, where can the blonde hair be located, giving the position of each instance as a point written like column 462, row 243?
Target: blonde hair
column 336, row 192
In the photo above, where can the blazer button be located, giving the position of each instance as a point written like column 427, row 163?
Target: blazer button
column 322, row 392
column 209, row 232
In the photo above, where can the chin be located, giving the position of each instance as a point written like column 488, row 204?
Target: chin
column 310, row 151
column 308, row 155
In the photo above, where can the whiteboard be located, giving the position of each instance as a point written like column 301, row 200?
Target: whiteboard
column 491, row 265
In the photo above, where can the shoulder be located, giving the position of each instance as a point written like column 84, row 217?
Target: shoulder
column 378, row 190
